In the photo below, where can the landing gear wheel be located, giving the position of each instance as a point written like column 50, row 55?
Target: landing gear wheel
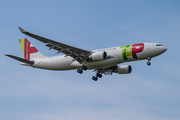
column 79, row 71
column 84, row 67
column 94, row 78
column 99, row 75
column 148, row 63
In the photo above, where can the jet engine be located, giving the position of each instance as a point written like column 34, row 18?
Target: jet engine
column 98, row 56
column 123, row 69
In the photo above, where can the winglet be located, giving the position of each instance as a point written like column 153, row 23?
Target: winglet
column 22, row 30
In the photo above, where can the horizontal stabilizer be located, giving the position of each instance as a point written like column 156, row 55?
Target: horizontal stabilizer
column 21, row 59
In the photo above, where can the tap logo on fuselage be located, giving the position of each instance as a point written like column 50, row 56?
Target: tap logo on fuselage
column 131, row 50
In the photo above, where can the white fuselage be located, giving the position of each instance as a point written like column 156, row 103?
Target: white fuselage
column 116, row 55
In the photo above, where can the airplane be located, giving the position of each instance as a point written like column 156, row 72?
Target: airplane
column 102, row 61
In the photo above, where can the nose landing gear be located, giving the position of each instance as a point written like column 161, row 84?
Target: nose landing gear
column 148, row 63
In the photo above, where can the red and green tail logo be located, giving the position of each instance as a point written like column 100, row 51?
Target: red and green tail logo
column 27, row 48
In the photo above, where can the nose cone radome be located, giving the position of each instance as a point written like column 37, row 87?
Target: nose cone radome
column 160, row 50
column 164, row 49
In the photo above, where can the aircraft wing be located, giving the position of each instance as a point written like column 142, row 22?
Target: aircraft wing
column 74, row 52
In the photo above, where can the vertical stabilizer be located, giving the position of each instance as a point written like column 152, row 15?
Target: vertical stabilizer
column 29, row 51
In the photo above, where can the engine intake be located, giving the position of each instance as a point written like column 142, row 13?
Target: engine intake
column 98, row 56
column 123, row 69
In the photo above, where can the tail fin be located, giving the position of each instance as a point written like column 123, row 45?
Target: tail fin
column 29, row 51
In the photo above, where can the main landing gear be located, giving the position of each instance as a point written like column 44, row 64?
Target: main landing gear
column 148, row 63
column 98, row 75
column 95, row 78
column 80, row 71
column 84, row 67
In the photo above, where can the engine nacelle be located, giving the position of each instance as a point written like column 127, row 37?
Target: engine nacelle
column 98, row 56
column 123, row 69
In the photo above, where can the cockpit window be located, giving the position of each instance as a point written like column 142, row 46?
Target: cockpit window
column 159, row 45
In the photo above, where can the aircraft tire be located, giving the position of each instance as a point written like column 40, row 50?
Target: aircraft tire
column 79, row 71
column 84, row 67
column 99, row 75
column 148, row 63
column 94, row 78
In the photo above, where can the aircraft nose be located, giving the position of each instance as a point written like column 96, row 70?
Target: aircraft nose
column 164, row 49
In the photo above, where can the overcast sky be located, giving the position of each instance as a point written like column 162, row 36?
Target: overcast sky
column 148, row 93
